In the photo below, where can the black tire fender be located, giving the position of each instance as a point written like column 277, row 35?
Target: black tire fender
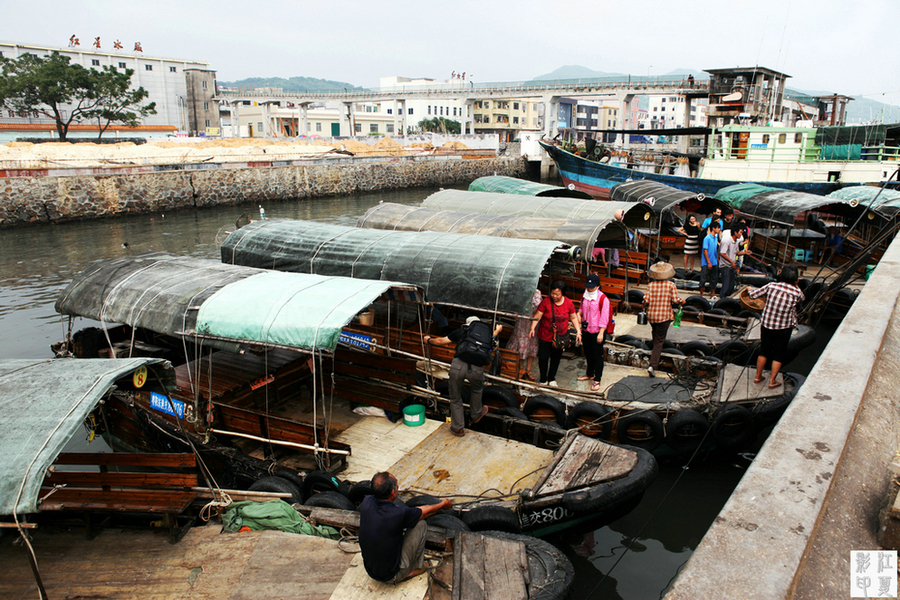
column 487, row 518
column 551, row 574
column 733, row 426
column 271, row 483
column 686, row 430
column 501, row 395
column 696, row 348
column 636, row 296
column 446, row 521
column 541, row 408
column 729, row 305
column 592, row 419
column 698, row 302
column 323, row 481
column 330, row 500
column 641, row 429
column 734, row 351
column 359, row 491
column 509, row 411
column 443, row 388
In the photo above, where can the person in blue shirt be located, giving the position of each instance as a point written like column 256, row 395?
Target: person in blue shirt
column 709, row 259
column 834, row 244
column 716, row 216
column 391, row 537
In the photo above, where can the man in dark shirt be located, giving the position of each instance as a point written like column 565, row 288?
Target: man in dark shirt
column 391, row 537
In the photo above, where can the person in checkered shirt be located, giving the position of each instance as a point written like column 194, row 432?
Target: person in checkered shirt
column 778, row 320
column 661, row 294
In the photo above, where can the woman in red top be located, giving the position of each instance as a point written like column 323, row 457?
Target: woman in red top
column 559, row 309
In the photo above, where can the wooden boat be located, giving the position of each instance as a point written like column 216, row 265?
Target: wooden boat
column 814, row 160
column 511, row 185
column 267, row 376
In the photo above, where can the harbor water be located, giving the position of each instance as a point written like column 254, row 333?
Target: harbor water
column 634, row 558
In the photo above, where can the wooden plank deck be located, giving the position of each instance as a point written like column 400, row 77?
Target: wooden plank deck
column 737, row 385
column 487, row 568
column 588, row 461
column 445, row 465
column 357, row 585
column 378, row 444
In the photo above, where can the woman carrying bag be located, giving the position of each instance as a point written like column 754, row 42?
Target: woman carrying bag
column 552, row 324
column 595, row 314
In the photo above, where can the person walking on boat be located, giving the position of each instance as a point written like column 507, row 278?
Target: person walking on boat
column 709, row 260
column 391, row 537
column 595, row 314
column 778, row 319
column 522, row 342
column 661, row 294
column 473, row 354
column 691, row 229
column 553, row 316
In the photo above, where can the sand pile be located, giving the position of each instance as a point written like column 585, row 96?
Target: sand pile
column 454, row 146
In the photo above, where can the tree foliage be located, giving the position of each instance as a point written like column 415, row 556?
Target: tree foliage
column 440, row 125
column 67, row 93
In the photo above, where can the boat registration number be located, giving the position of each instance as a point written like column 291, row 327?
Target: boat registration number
column 357, row 339
column 161, row 403
column 544, row 516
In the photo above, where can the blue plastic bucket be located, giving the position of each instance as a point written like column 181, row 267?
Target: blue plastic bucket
column 414, row 415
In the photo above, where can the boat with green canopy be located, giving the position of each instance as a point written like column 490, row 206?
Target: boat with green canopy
column 511, row 185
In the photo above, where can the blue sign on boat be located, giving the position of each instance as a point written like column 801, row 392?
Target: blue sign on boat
column 161, row 403
column 759, row 146
column 357, row 339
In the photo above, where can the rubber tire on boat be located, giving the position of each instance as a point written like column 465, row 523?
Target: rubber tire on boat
column 638, row 344
column 733, row 426
column 688, row 309
column 692, row 285
column 540, row 408
column 674, row 351
column 691, row 276
column 746, row 314
column 509, row 411
column 330, row 500
column 636, row 296
column 803, row 283
column 500, row 395
column 291, row 476
column 641, row 429
column 624, row 338
column 679, row 273
column 729, row 305
column 446, row 521
column 811, row 291
column 755, row 280
column 667, row 344
column 766, row 413
column 592, row 419
column 271, row 483
column 550, row 573
column 323, row 481
column 804, row 337
column 698, row 302
column 718, row 311
column 422, row 500
column 734, row 352
column 696, row 348
column 359, row 491
column 686, row 430
column 488, row 518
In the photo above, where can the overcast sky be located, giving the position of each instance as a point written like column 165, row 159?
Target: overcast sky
column 842, row 46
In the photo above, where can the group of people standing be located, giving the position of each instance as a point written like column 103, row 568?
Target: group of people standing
column 724, row 242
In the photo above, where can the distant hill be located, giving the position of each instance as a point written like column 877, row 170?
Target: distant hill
column 294, row 84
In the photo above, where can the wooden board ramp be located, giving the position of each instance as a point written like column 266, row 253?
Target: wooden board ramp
column 357, row 585
column 377, row 444
column 736, row 385
column 487, row 568
column 445, row 465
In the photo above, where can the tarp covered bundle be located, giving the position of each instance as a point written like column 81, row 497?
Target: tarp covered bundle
column 772, row 204
column 584, row 233
column 274, row 514
column 175, row 295
column 487, row 273
column 511, row 185
column 882, row 201
column 43, row 403
column 636, row 215
column 661, row 197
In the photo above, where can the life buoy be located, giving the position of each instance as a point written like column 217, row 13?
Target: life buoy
column 686, row 430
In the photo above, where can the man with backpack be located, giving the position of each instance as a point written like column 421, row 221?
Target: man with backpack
column 473, row 353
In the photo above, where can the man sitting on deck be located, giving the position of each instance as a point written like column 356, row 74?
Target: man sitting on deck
column 389, row 554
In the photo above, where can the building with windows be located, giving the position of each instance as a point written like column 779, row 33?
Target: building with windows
column 668, row 112
column 182, row 89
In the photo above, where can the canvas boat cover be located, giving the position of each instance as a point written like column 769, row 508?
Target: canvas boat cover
column 43, row 403
column 636, row 215
column 584, row 233
column 882, row 201
column 480, row 272
column 511, row 185
column 772, row 204
column 661, row 197
column 184, row 296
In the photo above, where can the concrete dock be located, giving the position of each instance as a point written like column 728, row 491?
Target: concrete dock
column 819, row 487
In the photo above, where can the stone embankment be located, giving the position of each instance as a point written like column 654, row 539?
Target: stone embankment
column 50, row 198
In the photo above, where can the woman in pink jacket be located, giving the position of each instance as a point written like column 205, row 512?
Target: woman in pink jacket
column 595, row 314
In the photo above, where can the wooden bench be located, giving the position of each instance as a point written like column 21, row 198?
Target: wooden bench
column 125, row 482
column 632, row 265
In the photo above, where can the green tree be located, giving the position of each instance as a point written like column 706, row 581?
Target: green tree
column 67, row 93
column 440, row 125
column 115, row 102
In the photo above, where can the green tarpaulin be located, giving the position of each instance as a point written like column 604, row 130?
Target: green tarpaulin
column 43, row 403
column 274, row 514
column 175, row 295
column 511, row 185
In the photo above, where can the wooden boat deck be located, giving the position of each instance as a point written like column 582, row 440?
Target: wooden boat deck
column 445, row 465
column 377, row 444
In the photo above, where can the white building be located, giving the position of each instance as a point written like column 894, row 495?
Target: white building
column 667, row 112
column 182, row 89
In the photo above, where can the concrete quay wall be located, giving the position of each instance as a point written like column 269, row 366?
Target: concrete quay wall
column 53, row 199
column 818, row 487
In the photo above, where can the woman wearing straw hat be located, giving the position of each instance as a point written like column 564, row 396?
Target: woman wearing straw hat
column 661, row 294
